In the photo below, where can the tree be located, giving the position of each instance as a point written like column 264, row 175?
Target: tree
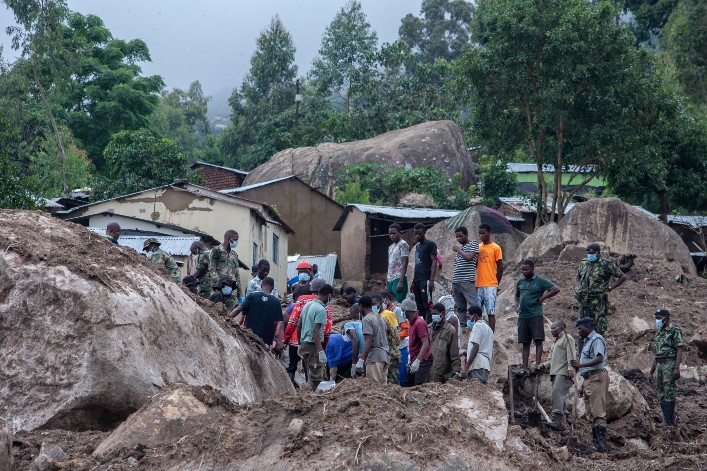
column 15, row 190
column 440, row 32
column 137, row 160
column 346, row 56
column 558, row 77
column 263, row 101
column 496, row 181
column 685, row 42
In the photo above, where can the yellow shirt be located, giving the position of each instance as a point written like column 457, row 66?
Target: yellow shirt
column 390, row 317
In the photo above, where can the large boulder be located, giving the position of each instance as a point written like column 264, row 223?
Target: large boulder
column 619, row 227
column 91, row 330
column 436, row 143
column 442, row 233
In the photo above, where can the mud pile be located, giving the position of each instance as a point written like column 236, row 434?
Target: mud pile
column 91, row 330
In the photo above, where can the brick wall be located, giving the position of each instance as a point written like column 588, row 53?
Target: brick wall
column 218, row 179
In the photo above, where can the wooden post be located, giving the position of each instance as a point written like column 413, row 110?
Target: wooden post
column 510, row 392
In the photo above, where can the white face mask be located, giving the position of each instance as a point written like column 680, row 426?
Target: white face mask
column 375, row 309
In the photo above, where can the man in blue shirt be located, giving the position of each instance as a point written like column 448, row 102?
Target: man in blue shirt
column 339, row 355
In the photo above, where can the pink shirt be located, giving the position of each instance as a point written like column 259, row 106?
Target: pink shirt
column 418, row 331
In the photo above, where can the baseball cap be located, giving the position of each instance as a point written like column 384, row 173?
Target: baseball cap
column 408, row 305
column 190, row 280
column 316, row 285
column 584, row 320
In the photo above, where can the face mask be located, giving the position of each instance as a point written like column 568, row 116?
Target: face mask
column 659, row 323
column 346, row 338
column 375, row 309
column 436, row 318
column 470, row 324
column 234, row 244
column 304, row 276
column 226, row 290
column 592, row 257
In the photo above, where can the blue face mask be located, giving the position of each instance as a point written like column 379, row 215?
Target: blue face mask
column 376, row 309
column 470, row 324
column 234, row 244
column 436, row 318
column 659, row 323
column 592, row 257
column 226, row 290
column 304, row 276
column 346, row 338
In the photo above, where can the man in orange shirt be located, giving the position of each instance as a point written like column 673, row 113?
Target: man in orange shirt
column 489, row 270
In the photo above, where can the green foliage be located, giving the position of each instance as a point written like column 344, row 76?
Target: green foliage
column 685, row 42
column 386, row 185
column 347, row 54
column 649, row 17
column 440, row 32
column 352, row 193
column 496, row 181
column 558, row 77
column 137, row 160
column 50, row 173
column 15, row 190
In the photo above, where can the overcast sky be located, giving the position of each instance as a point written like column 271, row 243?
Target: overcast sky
column 212, row 40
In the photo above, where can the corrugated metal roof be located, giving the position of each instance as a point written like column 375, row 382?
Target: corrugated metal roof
column 532, row 168
column 325, row 263
column 645, row 211
column 407, row 213
column 694, row 221
column 255, row 185
column 524, row 205
column 178, row 246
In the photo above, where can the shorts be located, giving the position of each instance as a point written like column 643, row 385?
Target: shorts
column 531, row 328
column 392, row 286
column 310, row 358
column 480, row 374
column 486, row 299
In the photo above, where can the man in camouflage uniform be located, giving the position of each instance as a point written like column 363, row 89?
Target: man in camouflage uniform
column 668, row 355
column 223, row 261
column 593, row 285
column 223, row 292
column 152, row 248
column 201, row 269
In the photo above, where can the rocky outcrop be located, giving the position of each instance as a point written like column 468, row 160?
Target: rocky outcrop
column 91, row 330
column 436, row 143
column 619, row 227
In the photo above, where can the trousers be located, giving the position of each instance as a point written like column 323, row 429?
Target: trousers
column 596, row 390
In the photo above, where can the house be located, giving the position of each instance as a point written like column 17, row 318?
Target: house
column 521, row 212
column 216, row 177
column 262, row 233
column 311, row 214
column 527, row 177
column 177, row 247
column 364, row 235
column 328, row 266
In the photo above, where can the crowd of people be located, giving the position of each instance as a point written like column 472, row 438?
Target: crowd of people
column 401, row 336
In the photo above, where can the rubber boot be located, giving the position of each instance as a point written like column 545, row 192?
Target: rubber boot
column 601, row 440
column 669, row 413
column 666, row 414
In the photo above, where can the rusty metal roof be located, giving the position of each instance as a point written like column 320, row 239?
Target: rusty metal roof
column 396, row 212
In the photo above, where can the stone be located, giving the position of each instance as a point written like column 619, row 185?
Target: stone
column 440, row 144
column 518, row 444
column 132, row 462
column 94, row 330
column 560, row 454
column 43, row 463
column 545, row 241
column 489, row 416
column 5, row 446
column 639, row 444
column 296, row 428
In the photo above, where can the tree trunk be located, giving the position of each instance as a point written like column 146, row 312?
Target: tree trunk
column 664, row 207
column 57, row 135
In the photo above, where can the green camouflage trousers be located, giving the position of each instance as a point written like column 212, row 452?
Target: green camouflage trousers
column 664, row 380
column 393, row 375
column 596, row 307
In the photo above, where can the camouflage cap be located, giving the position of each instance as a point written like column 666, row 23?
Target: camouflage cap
column 224, row 281
column 149, row 242
column 190, row 280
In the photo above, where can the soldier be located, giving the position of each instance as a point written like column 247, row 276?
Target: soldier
column 223, row 293
column 595, row 386
column 201, row 272
column 593, row 285
column 223, row 261
column 191, row 283
column 152, row 249
column 113, row 232
column 668, row 355
column 196, row 249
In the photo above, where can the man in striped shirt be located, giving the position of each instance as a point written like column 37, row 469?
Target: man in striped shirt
column 464, row 276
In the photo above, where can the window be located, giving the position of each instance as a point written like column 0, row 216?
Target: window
column 275, row 248
column 255, row 253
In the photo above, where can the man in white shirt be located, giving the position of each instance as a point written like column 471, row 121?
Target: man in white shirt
column 480, row 348
column 255, row 285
